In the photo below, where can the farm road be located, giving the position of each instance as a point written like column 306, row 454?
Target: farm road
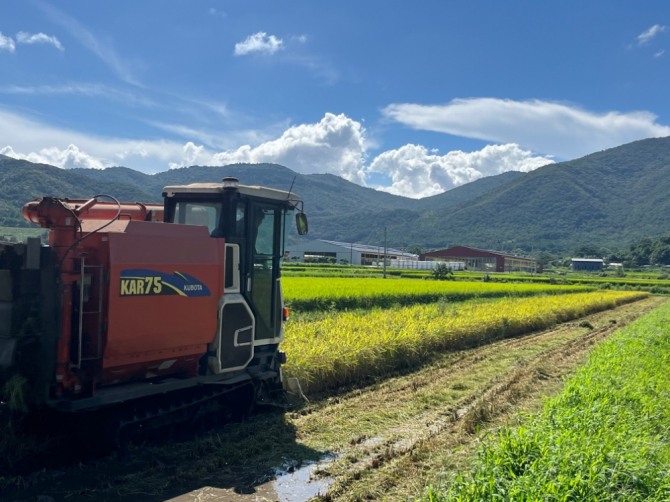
column 385, row 441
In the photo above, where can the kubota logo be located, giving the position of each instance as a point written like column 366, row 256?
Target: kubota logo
column 143, row 282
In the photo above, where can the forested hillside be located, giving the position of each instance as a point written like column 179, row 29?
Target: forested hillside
column 609, row 199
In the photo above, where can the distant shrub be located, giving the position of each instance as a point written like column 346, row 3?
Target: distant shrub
column 442, row 272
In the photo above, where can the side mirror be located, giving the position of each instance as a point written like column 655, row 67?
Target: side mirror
column 301, row 223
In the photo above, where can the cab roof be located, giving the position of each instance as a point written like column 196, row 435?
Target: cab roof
column 217, row 188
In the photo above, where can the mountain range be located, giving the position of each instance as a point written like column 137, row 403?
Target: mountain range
column 610, row 199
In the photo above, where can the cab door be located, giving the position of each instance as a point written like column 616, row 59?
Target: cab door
column 265, row 245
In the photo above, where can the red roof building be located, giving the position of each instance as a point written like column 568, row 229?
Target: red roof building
column 480, row 259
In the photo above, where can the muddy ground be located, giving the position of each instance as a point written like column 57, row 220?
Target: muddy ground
column 384, row 441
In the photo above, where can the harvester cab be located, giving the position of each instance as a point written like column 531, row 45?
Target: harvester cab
column 130, row 304
column 252, row 222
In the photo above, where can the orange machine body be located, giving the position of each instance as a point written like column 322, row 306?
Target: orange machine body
column 165, row 282
column 147, row 304
column 148, row 307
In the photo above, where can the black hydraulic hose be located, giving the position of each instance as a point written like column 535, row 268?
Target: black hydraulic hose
column 76, row 243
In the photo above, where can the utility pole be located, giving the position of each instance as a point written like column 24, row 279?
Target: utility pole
column 385, row 250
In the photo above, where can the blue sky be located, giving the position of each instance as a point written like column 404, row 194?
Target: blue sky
column 413, row 98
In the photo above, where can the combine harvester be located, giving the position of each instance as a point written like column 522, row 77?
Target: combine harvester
column 140, row 315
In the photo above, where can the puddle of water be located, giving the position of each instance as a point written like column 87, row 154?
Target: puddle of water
column 291, row 484
column 298, row 485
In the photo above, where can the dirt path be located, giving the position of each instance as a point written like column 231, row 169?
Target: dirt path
column 382, row 442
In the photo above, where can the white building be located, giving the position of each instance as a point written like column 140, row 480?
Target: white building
column 587, row 264
column 344, row 252
column 426, row 265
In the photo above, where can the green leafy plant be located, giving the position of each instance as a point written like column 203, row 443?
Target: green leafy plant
column 442, row 272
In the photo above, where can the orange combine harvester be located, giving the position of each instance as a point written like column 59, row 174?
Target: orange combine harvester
column 147, row 309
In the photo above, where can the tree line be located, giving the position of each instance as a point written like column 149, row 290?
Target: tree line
column 646, row 251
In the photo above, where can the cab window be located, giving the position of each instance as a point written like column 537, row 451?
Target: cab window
column 264, row 228
column 197, row 213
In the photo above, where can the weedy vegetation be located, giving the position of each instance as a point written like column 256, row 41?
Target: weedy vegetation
column 605, row 437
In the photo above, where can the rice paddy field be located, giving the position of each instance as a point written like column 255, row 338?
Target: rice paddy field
column 374, row 327
column 604, row 437
column 344, row 347
column 401, row 377
column 654, row 280
column 336, row 293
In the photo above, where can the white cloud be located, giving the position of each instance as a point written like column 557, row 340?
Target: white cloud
column 259, row 42
column 7, row 43
column 38, row 38
column 68, row 158
column 37, row 142
column 192, row 153
column 333, row 145
column 646, row 36
column 416, row 172
column 550, row 128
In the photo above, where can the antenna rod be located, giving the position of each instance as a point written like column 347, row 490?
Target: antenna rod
column 290, row 188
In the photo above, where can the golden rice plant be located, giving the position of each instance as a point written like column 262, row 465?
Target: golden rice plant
column 312, row 293
column 347, row 347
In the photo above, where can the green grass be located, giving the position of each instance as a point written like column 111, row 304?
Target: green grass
column 605, row 437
